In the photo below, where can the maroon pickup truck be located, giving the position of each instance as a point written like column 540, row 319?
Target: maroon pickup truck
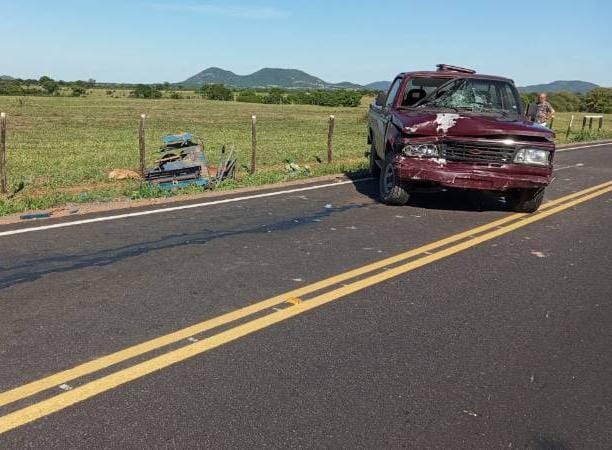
column 454, row 128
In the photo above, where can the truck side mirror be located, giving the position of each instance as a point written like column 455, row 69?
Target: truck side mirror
column 381, row 99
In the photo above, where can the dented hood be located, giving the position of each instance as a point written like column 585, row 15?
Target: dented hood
column 467, row 124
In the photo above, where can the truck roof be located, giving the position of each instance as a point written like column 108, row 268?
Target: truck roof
column 454, row 74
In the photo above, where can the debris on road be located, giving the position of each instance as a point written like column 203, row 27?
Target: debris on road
column 35, row 215
column 538, row 254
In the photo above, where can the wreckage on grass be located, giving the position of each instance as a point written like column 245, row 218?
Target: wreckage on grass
column 183, row 162
column 454, row 128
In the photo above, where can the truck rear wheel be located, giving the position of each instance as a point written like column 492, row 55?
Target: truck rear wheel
column 374, row 167
column 392, row 190
column 525, row 200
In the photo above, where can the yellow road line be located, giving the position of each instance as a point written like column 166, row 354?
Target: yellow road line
column 103, row 362
column 108, row 382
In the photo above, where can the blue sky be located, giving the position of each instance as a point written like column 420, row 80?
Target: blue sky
column 359, row 41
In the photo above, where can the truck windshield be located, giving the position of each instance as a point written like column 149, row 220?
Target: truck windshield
column 470, row 94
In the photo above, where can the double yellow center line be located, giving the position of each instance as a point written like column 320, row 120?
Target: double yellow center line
column 294, row 301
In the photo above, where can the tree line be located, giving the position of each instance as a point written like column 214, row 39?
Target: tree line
column 598, row 100
column 277, row 96
column 44, row 86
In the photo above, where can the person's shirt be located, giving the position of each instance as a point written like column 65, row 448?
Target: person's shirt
column 544, row 112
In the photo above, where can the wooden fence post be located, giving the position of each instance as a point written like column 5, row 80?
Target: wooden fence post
column 600, row 123
column 330, row 139
column 3, row 180
column 141, row 144
column 253, row 142
column 583, row 123
column 569, row 127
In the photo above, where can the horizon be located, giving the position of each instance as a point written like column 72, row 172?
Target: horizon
column 103, row 43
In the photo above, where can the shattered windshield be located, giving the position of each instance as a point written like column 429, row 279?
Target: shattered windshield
column 469, row 94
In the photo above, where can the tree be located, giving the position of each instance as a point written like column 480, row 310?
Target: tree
column 275, row 96
column 145, row 91
column 48, row 84
column 217, row 92
column 599, row 100
column 78, row 91
column 248, row 96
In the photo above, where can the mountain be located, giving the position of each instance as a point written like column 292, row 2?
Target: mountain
column 577, row 86
column 284, row 78
column 378, row 86
column 6, row 78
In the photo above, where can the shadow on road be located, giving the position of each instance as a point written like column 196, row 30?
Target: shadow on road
column 448, row 200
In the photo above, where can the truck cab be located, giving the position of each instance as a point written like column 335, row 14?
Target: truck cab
column 455, row 128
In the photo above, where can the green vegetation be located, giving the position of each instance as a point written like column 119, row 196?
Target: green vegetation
column 217, row 92
column 598, row 100
column 61, row 148
column 145, row 91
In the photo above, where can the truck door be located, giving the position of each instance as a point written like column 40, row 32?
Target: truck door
column 384, row 117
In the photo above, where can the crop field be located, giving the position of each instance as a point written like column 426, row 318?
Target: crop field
column 60, row 149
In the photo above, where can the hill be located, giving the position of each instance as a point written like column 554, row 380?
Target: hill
column 6, row 78
column 378, row 85
column 264, row 78
column 577, row 86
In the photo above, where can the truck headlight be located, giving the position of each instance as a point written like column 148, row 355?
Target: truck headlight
column 534, row 156
column 423, row 150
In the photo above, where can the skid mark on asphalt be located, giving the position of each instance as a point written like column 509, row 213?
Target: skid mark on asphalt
column 34, row 269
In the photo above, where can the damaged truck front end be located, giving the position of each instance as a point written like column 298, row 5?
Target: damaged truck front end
column 459, row 131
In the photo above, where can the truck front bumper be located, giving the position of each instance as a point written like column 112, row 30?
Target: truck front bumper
column 492, row 177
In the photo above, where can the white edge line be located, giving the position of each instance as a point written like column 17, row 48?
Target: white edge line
column 583, row 146
column 177, row 208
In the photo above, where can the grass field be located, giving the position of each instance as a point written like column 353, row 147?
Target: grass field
column 61, row 148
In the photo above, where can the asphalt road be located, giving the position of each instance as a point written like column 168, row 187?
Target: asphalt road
column 502, row 341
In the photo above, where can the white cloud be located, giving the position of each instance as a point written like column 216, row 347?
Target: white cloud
column 244, row 12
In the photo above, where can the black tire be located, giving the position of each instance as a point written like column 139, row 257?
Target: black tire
column 374, row 168
column 525, row 200
column 392, row 191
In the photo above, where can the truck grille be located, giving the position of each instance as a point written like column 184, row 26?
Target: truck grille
column 477, row 152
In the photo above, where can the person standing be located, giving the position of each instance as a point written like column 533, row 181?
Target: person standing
column 544, row 112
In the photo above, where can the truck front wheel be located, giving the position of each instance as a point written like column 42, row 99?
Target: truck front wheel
column 392, row 190
column 525, row 200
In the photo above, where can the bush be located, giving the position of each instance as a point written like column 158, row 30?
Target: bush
column 249, row 96
column 78, row 91
column 275, row 96
column 145, row 91
column 217, row 92
column 344, row 98
column 175, row 96
column 599, row 100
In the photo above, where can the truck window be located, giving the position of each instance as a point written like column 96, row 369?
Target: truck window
column 420, row 87
column 393, row 92
column 482, row 95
